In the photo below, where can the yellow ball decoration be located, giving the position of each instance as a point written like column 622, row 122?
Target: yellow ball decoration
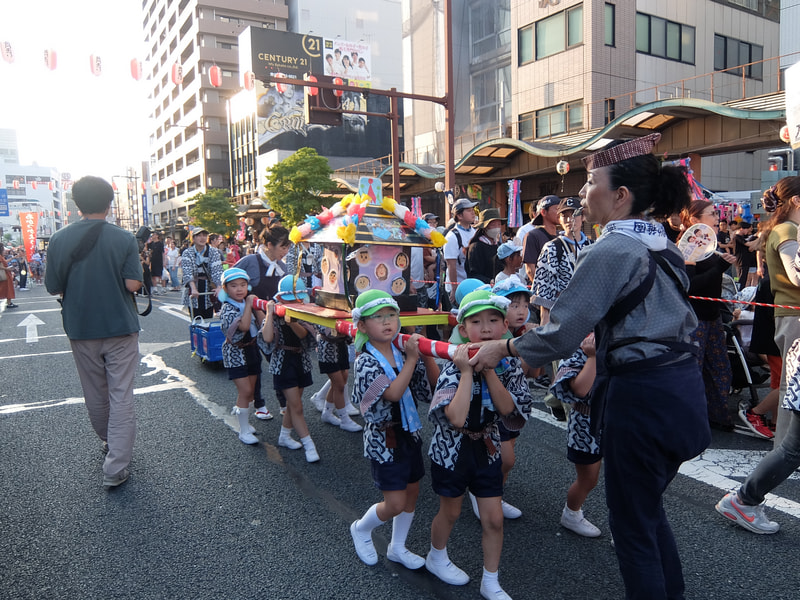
column 295, row 236
column 437, row 239
column 388, row 204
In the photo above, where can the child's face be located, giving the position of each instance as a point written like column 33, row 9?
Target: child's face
column 517, row 311
column 514, row 262
column 237, row 289
column 483, row 326
column 381, row 326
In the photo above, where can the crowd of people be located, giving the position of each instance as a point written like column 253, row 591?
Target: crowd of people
column 640, row 373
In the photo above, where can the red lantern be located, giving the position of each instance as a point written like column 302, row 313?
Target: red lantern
column 172, row 183
column 8, row 52
column 215, row 75
column 136, row 69
column 155, row 186
column 114, row 186
column 144, row 187
column 312, row 91
column 177, row 74
column 33, row 184
column 279, row 86
column 785, row 135
column 51, row 185
column 338, row 81
column 16, row 184
column 249, row 80
column 95, row 65
column 50, row 59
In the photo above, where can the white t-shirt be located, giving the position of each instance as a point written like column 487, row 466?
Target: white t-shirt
column 452, row 250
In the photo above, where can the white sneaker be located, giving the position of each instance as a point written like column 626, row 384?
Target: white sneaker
column 346, row 423
column 509, row 511
column 329, row 417
column 493, row 594
column 352, row 409
column 364, row 546
column 575, row 521
column 289, row 442
column 405, row 557
column 248, row 438
column 448, row 572
column 263, row 413
column 474, row 502
column 312, row 455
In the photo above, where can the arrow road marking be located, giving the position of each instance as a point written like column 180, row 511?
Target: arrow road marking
column 31, row 323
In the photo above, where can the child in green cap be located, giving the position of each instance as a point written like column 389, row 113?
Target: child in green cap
column 465, row 447
column 388, row 384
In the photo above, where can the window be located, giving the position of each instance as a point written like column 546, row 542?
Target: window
column 559, row 32
column 610, row 25
column 490, row 26
column 665, row 39
column 525, row 43
column 729, row 52
column 610, row 110
column 559, row 119
column 749, row 4
column 486, row 102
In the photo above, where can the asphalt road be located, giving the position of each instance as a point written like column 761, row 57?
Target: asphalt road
column 204, row 516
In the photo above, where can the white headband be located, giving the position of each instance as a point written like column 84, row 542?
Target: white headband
column 357, row 312
column 498, row 302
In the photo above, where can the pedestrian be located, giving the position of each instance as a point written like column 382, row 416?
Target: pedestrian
column 24, row 271
column 780, row 247
column 290, row 364
column 389, row 384
column 334, row 361
column 465, row 448
column 94, row 266
column 648, row 404
column 173, row 257
column 201, row 265
column 482, row 248
column 6, row 280
column 457, row 240
column 509, row 255
column 240, row 354
column 156, row 249
column 545, row 229
column 705, row 279
column 573, row 384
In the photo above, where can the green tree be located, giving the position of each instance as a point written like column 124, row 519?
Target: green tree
column 214, row 211
column 294, row 185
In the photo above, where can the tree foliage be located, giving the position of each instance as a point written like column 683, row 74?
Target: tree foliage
column 294, row 184
column 214, row 211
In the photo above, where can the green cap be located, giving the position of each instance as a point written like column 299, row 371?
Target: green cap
column 479, row 300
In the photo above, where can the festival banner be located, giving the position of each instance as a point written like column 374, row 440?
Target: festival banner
column 29, row 221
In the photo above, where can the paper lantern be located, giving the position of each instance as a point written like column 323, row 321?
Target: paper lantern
column 177, row 74
column 136, row 69
column 562, row 167
column 144, row 187
column 33, row 184
column 249, row 80
column 50, row 59
column 279, row 86
column 785, row 135
column 16, row 184
column 95, row 65
column 51, row 185
column 312, row 91
column 8, row 52
column 338, row 81
column 215, row 75
column 172, row 183
column 114, row 186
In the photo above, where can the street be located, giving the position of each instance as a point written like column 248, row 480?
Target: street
column 204, row 516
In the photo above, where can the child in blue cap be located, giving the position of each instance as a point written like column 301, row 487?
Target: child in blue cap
column 240, row 353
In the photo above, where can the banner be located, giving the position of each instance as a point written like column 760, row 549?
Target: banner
column 29, row 221
column 793, row 104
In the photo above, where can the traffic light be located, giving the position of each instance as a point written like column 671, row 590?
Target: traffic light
column 326, row 99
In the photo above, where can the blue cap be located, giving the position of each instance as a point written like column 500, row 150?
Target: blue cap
column 291, row 287
column 511, row 285
column 467, row 286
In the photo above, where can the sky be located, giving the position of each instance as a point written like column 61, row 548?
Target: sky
column 69, row 118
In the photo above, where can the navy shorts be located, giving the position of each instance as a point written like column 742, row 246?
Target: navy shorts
column 292, row 374
column 472, row 472
column 342, row 362
column 407, row 466
column 506, row 434
column 580, row 457
column 252, row 367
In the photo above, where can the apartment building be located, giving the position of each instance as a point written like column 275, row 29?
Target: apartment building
column 538, row 70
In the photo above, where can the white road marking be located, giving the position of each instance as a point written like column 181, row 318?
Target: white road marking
column 176, row 310
column 31, row 324
column 35, row 355
column 41, row 337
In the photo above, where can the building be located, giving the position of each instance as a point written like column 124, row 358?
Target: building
column 189, row 138
column 553, row 73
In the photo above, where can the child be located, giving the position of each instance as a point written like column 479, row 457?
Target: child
column 465, row 448
column 388, row 384
column 334, row 361
column 573, row 385
column 517, row 315
column 509, row 255
column 291, row 365
column 240, row 353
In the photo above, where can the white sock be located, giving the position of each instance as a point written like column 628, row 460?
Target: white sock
column 439, row 556
column 243, row 414
column 490, row 581
column 329, row 407
column 369, row 521
column 323, row 391
column 286, row 432
column 401, row 525
column 307, row 441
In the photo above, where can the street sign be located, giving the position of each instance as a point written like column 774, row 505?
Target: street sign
column 4, row 203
